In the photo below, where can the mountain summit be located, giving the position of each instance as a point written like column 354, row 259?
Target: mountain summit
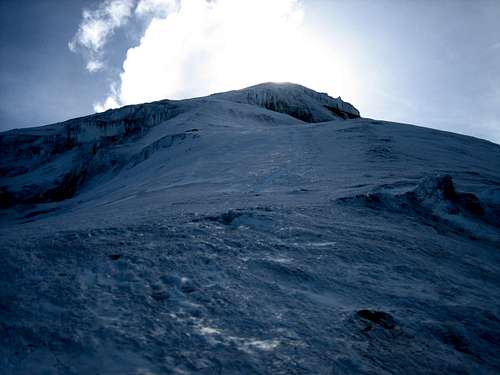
column 295, row 100
column 269, row 230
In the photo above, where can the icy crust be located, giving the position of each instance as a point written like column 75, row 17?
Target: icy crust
column 295, row 100
column 436, row 202
column 262, row 290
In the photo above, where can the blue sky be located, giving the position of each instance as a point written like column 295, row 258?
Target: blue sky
column 430, row 63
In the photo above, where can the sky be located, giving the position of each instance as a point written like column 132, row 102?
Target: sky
column 429, row 63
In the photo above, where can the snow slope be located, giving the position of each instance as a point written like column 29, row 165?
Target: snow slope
column 263, row 231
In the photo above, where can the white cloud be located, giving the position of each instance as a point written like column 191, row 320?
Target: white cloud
column 197, row 47
column 109, row 103
column 94, row 66
column 158, row 8
column 97, row 27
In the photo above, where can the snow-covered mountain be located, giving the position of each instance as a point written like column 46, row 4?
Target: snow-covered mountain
column 260, row 231
column 52, row 163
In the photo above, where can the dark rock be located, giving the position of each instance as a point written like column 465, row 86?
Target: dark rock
column 6, row 198
column 471, row 203
column 380, row 318
column 226, row 218
column 456, row 341
column 160, row 295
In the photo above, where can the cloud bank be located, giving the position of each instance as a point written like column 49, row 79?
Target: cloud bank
column 197, row 47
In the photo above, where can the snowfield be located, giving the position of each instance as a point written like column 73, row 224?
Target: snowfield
column 269, row 230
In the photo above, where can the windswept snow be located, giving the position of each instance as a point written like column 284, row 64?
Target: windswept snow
column 236, row 234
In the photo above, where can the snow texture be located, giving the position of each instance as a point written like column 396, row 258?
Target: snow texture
column 264, row 231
